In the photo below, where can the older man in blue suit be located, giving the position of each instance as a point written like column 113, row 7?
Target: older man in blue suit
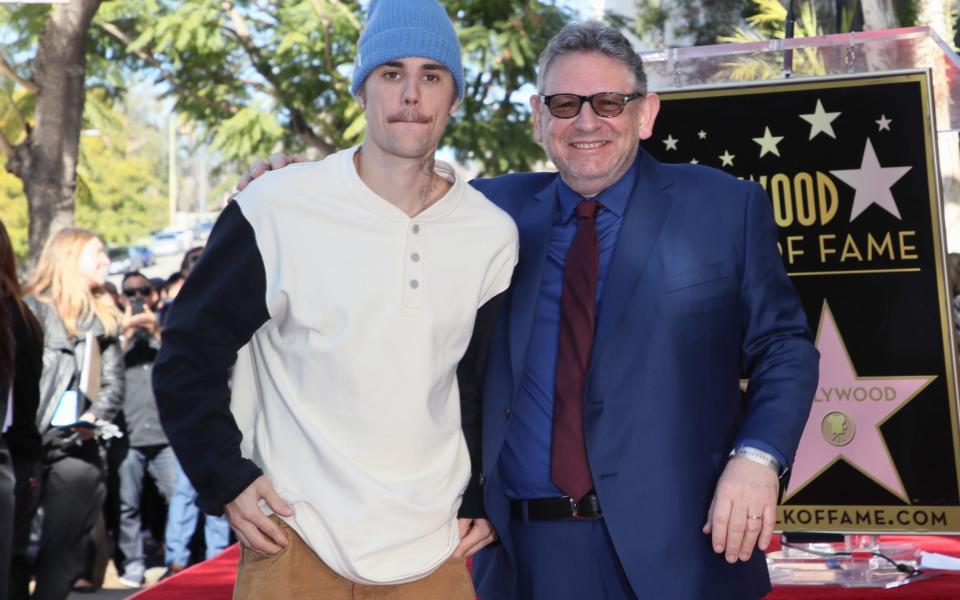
column 620, row 458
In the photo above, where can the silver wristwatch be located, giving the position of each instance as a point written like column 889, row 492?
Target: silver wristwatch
column 760, row 457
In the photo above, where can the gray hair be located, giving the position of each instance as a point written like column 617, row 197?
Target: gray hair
column 593, row 36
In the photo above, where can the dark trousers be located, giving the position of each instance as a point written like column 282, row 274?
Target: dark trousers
column 7, row 502
column 566, row 560
column 71, row 498
column 27, row 498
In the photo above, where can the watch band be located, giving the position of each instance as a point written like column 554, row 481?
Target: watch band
column 760, row 457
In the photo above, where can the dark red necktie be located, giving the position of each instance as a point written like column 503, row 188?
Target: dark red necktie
column 569, row 468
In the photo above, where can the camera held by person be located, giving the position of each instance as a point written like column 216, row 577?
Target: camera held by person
column 140, row 300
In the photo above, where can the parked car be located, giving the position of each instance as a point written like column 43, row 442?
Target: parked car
column 202, row 229
column 147, row 259
column 166, row 243
column 124, row 259
column 186, row 237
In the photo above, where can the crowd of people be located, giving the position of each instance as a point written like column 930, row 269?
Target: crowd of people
column 82, row 424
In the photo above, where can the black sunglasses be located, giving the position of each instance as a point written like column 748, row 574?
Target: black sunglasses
column 138, row 291
column 605, row 104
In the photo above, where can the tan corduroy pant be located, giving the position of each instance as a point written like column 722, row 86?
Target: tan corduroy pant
column 297, row 572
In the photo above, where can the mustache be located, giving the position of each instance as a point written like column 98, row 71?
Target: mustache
column 408, row 116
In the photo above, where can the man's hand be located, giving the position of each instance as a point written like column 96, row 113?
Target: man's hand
column 277, row 161
column 255, row 530
column 147, row 320
column 744, row 509
column 474, row 535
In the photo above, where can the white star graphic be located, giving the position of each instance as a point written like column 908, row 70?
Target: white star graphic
column 702, row 134
column 727, row 158
column 883, row 123
column 670, row 142
column 820, row 121
column 768, row 143
column 872, row 183
column 694, row 161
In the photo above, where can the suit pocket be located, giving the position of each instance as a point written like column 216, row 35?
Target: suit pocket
column 704, row 289
column 685, row 278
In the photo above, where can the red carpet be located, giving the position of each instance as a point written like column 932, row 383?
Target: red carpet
column 209, row 580
column 213, row 580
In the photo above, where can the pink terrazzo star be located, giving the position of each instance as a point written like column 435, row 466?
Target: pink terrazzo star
column 846, row 416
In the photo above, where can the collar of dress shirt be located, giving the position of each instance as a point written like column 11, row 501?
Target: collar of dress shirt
column 614, row 198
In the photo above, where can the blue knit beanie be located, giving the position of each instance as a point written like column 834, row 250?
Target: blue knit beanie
column 400, row 28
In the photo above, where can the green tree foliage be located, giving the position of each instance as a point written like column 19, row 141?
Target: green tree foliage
column 13, row 213
column 695, row 22
column 15, row 104
column 502, row 40
column 121, row 177
column 768, row 23
column 264, row 76
column 121, row 191
column 706, row 20
column 699, row 22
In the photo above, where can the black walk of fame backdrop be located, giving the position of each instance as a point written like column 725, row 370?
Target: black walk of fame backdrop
column 849, row 166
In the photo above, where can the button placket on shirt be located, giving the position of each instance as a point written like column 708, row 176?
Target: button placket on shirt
column 413, row 265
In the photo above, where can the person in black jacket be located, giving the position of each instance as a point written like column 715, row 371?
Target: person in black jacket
column 67, row 296
column 21, row 347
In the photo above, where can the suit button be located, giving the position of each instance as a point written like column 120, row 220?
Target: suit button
column 507, row 412
column 480, row 481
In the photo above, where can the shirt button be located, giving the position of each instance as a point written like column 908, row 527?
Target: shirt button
column 414, row 283
column 415, row 257
column 416, row 228
column 507, row 412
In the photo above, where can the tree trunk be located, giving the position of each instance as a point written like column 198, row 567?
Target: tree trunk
column 46, row 161
column 879, row 14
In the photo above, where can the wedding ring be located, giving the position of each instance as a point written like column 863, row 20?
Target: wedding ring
column 754, row 517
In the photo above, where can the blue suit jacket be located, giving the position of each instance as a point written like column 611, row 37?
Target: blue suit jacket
column 696, row 297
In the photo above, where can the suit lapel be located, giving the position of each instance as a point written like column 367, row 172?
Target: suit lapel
column 534, row 223
column 646, row 211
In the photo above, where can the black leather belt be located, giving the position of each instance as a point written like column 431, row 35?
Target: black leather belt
column 563, row 507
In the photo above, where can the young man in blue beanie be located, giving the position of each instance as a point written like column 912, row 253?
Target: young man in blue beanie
column 346, row 291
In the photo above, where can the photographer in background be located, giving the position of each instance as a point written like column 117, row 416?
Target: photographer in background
column 149, row 450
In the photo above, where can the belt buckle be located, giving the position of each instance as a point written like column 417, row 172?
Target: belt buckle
column 574, row 509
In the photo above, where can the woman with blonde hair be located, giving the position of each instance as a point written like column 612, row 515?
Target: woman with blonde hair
column 66, row 293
